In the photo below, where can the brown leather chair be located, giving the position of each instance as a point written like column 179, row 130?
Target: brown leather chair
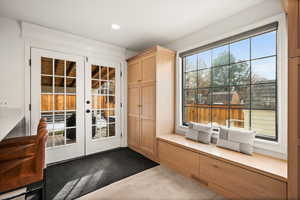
column 22, row 159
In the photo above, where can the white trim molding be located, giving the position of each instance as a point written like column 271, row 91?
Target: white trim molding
column 275, row 149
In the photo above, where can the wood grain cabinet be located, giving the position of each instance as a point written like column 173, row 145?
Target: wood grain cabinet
column 151, row 80
column 293, row 14
column 293, row 129
column 293, row 8
column 179, row 159
column 239, row 183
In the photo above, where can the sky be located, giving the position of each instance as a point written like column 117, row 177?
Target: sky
column 263, row 45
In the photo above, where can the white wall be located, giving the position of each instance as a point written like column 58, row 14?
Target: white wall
column 11, row 64
column 129, row 53
column 244, row 18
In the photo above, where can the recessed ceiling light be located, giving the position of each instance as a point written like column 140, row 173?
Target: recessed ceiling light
column 115, row 26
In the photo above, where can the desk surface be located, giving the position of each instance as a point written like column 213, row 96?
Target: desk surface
column 9, row 118
column 265, row 165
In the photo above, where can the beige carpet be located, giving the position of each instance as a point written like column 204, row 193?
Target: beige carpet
column 158, row 183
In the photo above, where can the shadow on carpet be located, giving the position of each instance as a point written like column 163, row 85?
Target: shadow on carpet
column 78, row 177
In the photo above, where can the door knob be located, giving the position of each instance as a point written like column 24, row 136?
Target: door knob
column 88, row 111
column 88, row 102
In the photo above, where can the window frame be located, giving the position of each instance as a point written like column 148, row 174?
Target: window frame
column 228, row 86
column 270, row 147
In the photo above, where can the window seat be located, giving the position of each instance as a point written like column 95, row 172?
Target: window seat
column 265, row 165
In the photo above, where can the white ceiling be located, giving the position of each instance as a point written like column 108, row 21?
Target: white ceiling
column 143, row 22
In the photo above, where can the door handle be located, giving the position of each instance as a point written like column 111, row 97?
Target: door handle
column 88, row 111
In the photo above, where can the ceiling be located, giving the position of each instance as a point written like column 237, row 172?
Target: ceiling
column 143, row 22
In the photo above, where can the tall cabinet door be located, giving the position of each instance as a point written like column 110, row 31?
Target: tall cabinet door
column 293, row 129
column 147, row 119
column 294, row 27
column 134, row 116
column 134, row 73
column 148, row 65
column 148, row 105
column 147, row 140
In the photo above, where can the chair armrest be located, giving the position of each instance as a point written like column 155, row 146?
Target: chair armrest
column 17, row 141
column 17, row 152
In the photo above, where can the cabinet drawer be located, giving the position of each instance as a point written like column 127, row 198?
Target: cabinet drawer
column 244, row 183
column 181, row 160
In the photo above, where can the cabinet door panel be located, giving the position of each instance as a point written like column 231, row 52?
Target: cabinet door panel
column 294, row 27
column 147, row 141
column 148, row 69
column 133, row 131
column 134, row 73
column 293, row 129
column 247, row 184
column 148, row 101
column 182, row 160
column 134, row 101
column 133, row 116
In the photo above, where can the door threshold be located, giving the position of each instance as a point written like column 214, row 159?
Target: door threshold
column 80, row 157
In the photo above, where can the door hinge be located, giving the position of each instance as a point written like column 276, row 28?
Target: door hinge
column 121, row 105
column 86, row 59
column 29, row 107
column 29, row 62
column 121, row 134
column 121, row 73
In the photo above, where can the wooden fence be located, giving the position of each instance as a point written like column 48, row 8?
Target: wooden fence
column 217, row 113
column 98, row 102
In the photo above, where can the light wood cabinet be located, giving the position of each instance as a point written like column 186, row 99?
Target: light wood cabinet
column 134, row 73
column 148, row 66
column 241, row 183
column 147, row 117
column 238, row 182
column 179, row 159
column 133, row 127
column 293, row 129
column 293, row 13
column 293, row 8
column 133, row 131
column 151, row 83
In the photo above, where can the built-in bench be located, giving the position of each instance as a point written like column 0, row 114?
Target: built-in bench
column 235, row 175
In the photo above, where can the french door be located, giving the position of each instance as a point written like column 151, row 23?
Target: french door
column 78, row 100
column 102, row 82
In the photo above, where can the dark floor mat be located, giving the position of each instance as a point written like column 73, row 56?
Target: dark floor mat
column 75, row 178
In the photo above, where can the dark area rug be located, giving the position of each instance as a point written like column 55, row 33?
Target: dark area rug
column 78, row 177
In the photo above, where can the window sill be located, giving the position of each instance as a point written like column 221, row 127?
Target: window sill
column 265, row 147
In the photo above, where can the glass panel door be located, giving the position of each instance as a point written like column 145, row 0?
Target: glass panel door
column 58, row 100
column 102, row 113
column 58, row 96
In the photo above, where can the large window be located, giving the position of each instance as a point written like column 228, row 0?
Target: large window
column 233, row 84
